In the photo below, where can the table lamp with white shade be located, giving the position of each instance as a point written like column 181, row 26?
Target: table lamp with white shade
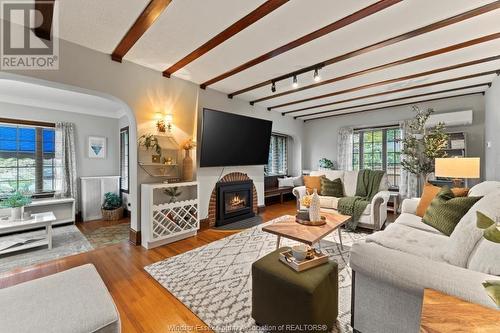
column 458, row 168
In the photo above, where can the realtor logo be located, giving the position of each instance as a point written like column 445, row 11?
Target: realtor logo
column 27, row 31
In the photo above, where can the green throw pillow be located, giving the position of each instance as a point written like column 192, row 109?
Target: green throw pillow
column 492, row 288
column 445, row 211
column 491, row 231
column 332, row 188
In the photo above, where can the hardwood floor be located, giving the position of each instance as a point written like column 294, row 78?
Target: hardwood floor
column 144, row 305
column 94, row 225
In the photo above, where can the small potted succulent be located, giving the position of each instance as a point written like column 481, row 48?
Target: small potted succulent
column 16, row 202
column 111, row 208
column 172, row 193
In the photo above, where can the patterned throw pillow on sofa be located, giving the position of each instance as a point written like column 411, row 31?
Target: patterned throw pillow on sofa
column 332, row 188
column 446, row 210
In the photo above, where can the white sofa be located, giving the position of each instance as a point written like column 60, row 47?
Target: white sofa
column 391, row 268
column 375, row 213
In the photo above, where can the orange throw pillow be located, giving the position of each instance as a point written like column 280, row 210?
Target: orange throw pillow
column 312, row 182
column 430, row 191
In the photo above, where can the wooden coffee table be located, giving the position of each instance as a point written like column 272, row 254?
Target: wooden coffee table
column 306, row 234
column 445, row 313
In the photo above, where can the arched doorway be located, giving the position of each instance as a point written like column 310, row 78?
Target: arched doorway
column 123, row 107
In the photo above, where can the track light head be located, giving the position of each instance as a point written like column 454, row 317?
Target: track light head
column 316, row 76
column 273, row 87
column 295, row 83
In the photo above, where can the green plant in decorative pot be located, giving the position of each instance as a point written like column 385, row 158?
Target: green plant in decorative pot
column 150, row 142
column 112, row 208
column 326, row 164
column 16, row 202
column 421, row 146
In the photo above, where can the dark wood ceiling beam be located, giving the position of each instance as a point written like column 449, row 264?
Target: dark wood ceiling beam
column 385, row 66
column 140, row 26
column 486, row 84
column 385, row 82
column 393, row 40
column 402, row 104
column 360, row 14
column 43, row 23
column 425, row 85
column 261, row 11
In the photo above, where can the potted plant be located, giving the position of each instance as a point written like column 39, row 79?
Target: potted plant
column 187, row 162
column 326, row 164
column 150, row 141
column 111, row 208
column 421, row 146
column 172, row 193
column 16, row 202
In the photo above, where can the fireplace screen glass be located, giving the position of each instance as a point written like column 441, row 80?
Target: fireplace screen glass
column 235, row 201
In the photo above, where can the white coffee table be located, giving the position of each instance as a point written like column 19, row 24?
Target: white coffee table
column 36, row 221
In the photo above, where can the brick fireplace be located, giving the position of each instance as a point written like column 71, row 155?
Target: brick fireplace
column 236, row 201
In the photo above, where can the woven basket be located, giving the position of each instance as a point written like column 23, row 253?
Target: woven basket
column 112, row 215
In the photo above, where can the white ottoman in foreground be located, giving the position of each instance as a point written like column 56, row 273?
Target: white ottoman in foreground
column 75, row 301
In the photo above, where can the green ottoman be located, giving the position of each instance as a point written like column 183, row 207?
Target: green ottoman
column 288, row 301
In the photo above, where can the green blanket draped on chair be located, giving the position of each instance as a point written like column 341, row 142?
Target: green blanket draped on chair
column 367, row 186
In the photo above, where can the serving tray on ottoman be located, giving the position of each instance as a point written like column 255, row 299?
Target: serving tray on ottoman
column 313, row 259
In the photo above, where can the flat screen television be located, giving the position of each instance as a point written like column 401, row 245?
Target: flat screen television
column 228, row 139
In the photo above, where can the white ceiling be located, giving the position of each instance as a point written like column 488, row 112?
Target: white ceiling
column 187, row 24
column 35, row 95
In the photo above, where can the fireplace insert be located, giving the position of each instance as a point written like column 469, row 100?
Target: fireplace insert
column 234, row 201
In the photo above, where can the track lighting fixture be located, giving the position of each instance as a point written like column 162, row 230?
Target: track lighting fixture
column 295, row 84
column 316, row 76
column 273, row 87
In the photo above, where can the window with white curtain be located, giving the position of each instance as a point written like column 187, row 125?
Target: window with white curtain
column 278, row 155
column 124, row 160
column 27, row 157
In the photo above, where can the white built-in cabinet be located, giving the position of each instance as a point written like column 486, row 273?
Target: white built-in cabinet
column 166, row 218
column 92, row 194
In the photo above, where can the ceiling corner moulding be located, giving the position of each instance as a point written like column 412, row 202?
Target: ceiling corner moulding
column 485, row 84
column 395, row 105
column 258, row 13
column 384, row 82
column 421, row 56
column 148, row 16
column 393, row 40
column 360, row 14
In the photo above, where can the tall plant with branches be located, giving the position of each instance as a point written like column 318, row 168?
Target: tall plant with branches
column 421, row 145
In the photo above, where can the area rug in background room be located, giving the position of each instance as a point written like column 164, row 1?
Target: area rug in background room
column 214, row 281
column 110, row 235
column 66, row 241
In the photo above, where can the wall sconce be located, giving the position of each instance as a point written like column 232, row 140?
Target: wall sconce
column 169, row 118
column 164, row 124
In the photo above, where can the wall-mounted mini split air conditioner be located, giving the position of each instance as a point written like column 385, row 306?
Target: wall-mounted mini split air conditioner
column 450, row 119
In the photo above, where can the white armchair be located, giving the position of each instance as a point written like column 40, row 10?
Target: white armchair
column 375, row 213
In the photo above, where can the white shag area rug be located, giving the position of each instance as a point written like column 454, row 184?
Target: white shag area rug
column 214, row 281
